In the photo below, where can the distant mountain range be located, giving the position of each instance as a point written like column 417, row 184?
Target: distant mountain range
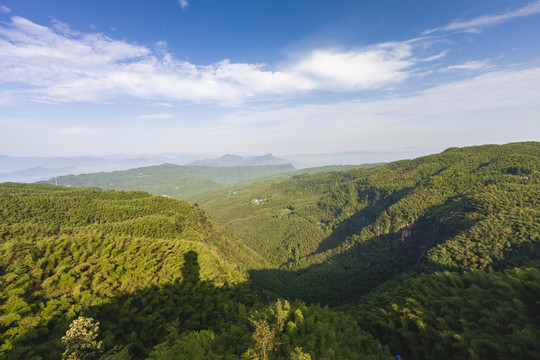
column 301, row 161
column 34, row 174
column 35, row 169
column 172, row 180
column 188, row 182
column 236, row 160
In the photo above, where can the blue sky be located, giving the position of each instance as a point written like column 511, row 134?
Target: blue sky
column 253, row 77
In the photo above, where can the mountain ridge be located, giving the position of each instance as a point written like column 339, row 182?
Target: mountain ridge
column 237, row 160
column 177, row 181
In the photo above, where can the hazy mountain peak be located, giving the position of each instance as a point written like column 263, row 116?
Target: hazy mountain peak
column 237, row 160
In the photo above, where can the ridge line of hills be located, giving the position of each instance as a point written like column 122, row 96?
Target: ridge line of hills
column 34, row 169
column 186, row 182
column 236, row 160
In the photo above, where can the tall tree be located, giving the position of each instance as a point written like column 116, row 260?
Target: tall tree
column 263, row 337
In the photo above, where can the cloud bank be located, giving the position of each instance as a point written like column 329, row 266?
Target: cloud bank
column 435, row 118
column 57, row 64
column 488, row 91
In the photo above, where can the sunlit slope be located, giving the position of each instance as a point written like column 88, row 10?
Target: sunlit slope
column 157, row 275
column 64, row 250
column 468, row 208
column 311, row 170
column 44, row 212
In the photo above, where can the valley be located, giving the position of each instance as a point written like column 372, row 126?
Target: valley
column 435, row 257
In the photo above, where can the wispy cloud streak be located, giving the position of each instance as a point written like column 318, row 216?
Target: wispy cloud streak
column 474, row 25
column 469, row 66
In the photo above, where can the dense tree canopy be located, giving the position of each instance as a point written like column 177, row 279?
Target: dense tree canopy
column 435, row 257
column 347, row 232
column 155, row 273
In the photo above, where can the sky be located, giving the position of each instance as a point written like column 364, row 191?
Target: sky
column 254, row 77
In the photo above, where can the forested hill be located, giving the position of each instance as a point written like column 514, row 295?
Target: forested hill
column 438, row 256
column 431, row 258
column 333, row 237
column 66, row 251
column 160, row 279
column 187, row 182
column 176, row 181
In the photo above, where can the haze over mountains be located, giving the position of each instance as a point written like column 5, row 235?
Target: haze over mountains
column 34, row 169
column 172, row 180
column 186, row 182
column 235, row 160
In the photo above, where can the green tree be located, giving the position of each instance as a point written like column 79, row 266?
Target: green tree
column 298, row 354
column 81, row 340
column 264, row 337
column 194, row 345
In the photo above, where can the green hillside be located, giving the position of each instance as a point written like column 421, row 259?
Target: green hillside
column 311, row 170
column 168, row 179
column 448, row 315
column 187, row 182
column 160, row 279
column 332, row 237
column 432, row 258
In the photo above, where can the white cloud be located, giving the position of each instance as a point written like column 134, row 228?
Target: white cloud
column 78, row 131
column 183, row 4
column 63, row 28
column 476, row 24
column 469, row 66
column 4, row 9
column 438, row 56
column 365, row 69
column 61, row 65
column 491, row 90
column 155, row 116
column 499, row 106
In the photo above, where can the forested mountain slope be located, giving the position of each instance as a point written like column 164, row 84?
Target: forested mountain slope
column 450, row 315
column 162, row 281
column 187, row 182
column 333, row 237
column 435, row 257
